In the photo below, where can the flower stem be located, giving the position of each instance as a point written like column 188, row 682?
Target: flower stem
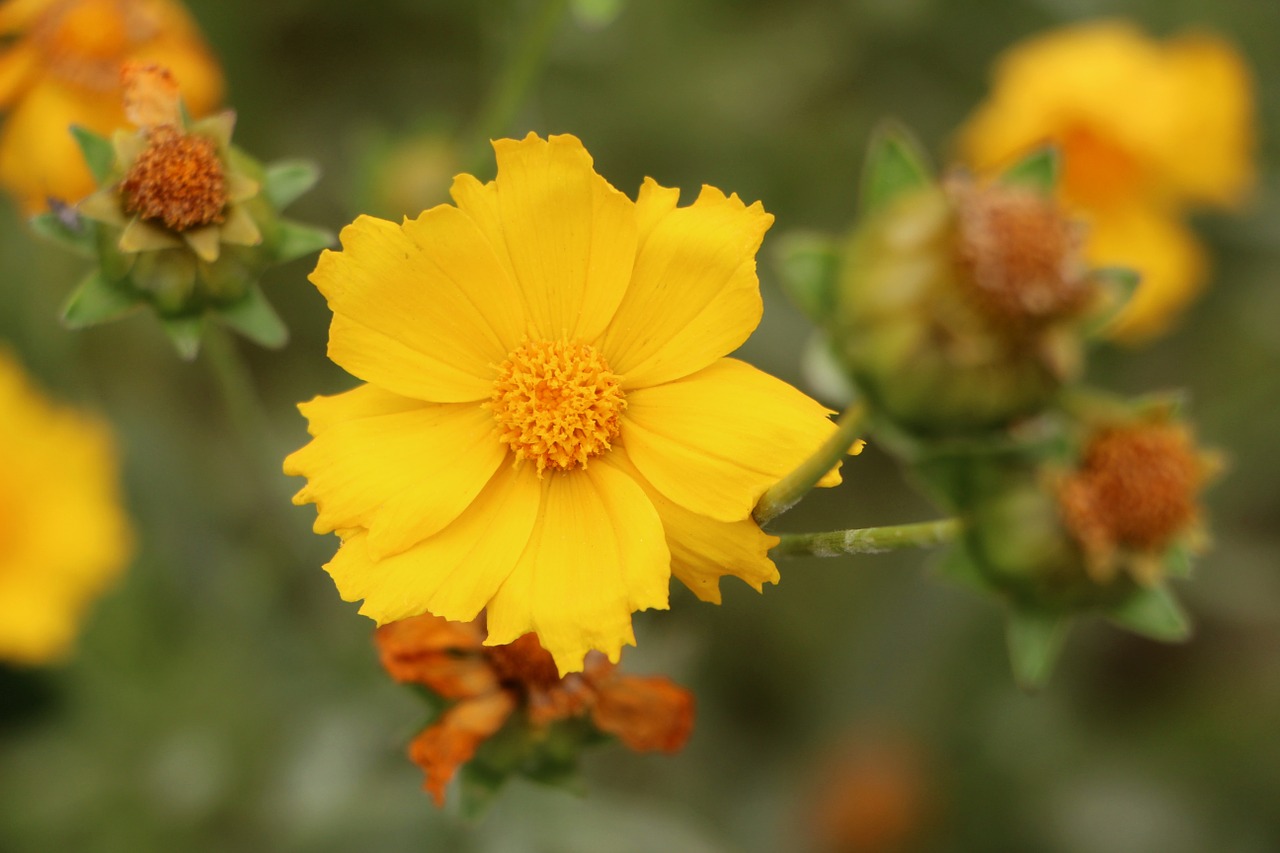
column 517, row 76
column 868, row 540
column 235, row 384
column 788, row 491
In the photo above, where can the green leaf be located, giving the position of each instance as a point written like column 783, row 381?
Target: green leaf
column 956, row 564
column 96, row 300
column 1153, row 613
column 1038, row 170
column 297, row 240
column 253, row 317
column 1118, row 285
column 895, row 164
column 1035, row 640
column 1177, row 561
column 284, row 181
column 809, row 272
column 185, row 332
column 99, row 154
column 64, row 226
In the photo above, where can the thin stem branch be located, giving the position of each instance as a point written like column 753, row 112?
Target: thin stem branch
column 518, row 74
column 787, row 492
column 868, row 540
column 235, row 384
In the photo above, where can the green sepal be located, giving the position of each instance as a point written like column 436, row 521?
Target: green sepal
column 296, row 240
column 1177, row 562
column 895, row 164
column 955, row 564
column 808, row 268
column 252, row 316
column 98, row 152
column 1118, row 285
column 66, row 227
column 185, row 332
column 286, row 180
column 1039, row 170
column 1035, row 640
column 1153, row 613
column 98, row 299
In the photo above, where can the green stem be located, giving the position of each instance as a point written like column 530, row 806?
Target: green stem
column 868, row 540
column 235, row 384
column 787, row 492
column 517, row 76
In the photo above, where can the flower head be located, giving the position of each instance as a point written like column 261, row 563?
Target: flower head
column 488, row 685
column 63, row 533
column 549, row 427
column 1147, row 130
column 64, row 69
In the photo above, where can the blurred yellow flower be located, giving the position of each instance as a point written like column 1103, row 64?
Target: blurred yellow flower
column 63, row 533
column 1147, row 130
column 550, row 428
column 63, row 68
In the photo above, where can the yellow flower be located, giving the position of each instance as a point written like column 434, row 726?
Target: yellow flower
column 64, row 68
column 549, row 427
column 1147, row 130
column 63, row 534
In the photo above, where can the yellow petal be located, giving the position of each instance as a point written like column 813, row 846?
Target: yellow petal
column 694, row 295
column 422, row 310
column 452, row 574
column 364, row 401
column 597, row 554
column 714, row 442
column 568, row 236
column 704, row 550
column 402, row 476
column 16, row 66
column 1166, row 254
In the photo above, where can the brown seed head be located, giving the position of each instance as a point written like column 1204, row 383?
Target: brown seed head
column 1021, row 254
column 178, row 180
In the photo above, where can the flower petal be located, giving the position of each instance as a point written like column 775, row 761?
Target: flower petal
column 714, row 442
column 597, row 554
column 424, row 310
column 452, row 574
column 647, row 714
column 694, row 295
column 567, row 235
column 704, row 550
column 444, row 747
column 444, row 656
column 402, row 476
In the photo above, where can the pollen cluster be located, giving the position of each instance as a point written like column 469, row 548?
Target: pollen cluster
column 557, row 404
column 1135, row 488
column 177, row 180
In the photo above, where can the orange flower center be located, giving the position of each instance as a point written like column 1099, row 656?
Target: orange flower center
column 1136, row 487
column 177, row 180
column 557, row 404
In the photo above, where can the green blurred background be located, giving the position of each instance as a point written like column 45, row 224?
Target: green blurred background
column 224, row 698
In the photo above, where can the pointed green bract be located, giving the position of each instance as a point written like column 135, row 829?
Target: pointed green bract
column 65, row 227
column 253, row 317
column 1038, row 170
column 297, row 240
column 1118, row 284
column 1035, row 640
column 1153, row 613
column 895, row 164
column 1177, row 561
column 285, row 181
column 185, row 332
column 808, row 271
column 99, row 154
column 98, row 300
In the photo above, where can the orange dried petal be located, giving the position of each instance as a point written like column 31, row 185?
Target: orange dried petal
column 646, row 714
column 444, row 747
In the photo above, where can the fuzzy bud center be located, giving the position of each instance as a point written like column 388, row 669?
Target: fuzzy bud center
column 178, row 180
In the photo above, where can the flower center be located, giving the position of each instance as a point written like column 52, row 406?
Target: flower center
column 177, row 180
column 557, row 404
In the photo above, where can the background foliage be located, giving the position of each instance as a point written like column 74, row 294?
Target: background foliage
column 225, row 699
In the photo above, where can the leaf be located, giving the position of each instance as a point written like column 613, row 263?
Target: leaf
column 99, row 154
column 1177, row 561
column 297, row 240
column 1153, row 613
column 96, row 300
column 1118, row 285
column 185, row 332
column 286, row 180
column 808, row 268
column 1035, row 640
column 895, row 164
column 253, row 317
column 64, row 226
column 1039, row 170
column 956, row 564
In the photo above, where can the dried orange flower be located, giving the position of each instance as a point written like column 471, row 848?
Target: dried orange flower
column 490, row 684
